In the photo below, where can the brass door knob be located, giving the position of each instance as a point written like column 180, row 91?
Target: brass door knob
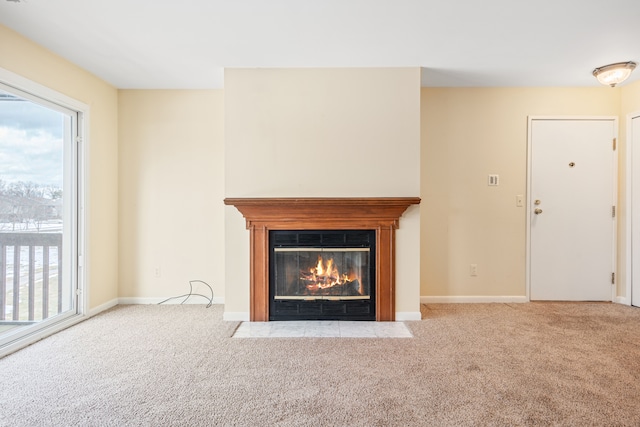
column 538, row 211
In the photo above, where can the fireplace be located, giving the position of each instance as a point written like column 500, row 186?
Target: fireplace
column 379, row 215
column 322, row 274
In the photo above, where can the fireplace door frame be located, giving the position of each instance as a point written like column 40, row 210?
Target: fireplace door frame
column 328, row 307
column 373, row 213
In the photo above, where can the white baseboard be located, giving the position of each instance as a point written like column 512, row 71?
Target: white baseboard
column 622, row 300
column 192, row 300
column 490, row 299
column 471, row 299
column 236, row 316
column 402, row 316
column 102, row 307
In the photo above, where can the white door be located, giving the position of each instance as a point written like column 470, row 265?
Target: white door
column 634, row 145
column 571, row 203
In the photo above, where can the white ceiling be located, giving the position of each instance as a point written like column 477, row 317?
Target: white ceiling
column 153, row 44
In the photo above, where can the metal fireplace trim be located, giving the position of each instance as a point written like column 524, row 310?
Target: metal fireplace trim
column 290, row 306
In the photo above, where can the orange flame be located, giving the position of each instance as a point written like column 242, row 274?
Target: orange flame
column 324, row 276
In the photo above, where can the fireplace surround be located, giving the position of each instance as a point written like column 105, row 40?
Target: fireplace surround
column 380, row 215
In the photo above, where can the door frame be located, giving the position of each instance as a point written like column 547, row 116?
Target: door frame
column 81, row 198
column 529, row 201
column 628, row 268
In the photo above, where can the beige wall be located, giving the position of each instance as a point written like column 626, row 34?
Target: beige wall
column 322, row 133
column 31, row 61
column 630, row 98
column 171, row 190
column 280, row 117
column 466, row 135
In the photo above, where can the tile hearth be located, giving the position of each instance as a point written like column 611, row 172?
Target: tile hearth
column 323, row 329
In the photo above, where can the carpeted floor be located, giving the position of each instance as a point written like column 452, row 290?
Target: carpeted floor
column 535, row 364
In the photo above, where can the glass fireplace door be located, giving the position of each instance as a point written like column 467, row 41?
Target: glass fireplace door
column 322, row 275
column 318, row 273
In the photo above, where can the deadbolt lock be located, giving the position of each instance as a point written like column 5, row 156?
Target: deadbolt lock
column 537, row 202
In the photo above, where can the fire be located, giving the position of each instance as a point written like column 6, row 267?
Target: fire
column 325, row 276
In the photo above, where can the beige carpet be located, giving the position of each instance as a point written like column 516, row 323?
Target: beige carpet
column 565, row 364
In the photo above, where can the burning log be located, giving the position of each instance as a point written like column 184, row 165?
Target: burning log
column 343, row 289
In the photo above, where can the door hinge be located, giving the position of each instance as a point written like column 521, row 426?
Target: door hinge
column 614, row 144
column 613, row 211
column 613, row 278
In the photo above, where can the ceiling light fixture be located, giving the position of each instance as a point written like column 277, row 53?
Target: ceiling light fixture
column 614, row 74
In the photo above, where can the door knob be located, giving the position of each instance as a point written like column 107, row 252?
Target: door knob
column 537, row 211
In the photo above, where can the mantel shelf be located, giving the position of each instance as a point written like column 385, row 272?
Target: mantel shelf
column 350, row 212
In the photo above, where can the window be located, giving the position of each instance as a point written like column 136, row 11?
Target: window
column 41, row 240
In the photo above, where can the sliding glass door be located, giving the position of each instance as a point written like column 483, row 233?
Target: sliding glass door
column 38, row 213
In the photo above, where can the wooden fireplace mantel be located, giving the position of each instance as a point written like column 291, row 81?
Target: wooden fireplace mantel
column 374, row 213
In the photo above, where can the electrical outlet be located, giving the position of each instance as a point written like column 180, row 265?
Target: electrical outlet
column 473, row 270
column 493, row 180
column 156, row 272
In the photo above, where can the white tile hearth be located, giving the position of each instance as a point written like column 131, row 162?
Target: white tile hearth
column 320, row 329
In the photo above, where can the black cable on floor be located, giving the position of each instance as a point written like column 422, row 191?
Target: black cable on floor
column 190, row 294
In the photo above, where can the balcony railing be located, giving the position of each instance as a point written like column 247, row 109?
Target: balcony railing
column 30, row 282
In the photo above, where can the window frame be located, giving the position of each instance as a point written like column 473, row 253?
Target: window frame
column 78, row 158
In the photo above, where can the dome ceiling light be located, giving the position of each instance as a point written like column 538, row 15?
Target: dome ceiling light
column 614, row 74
